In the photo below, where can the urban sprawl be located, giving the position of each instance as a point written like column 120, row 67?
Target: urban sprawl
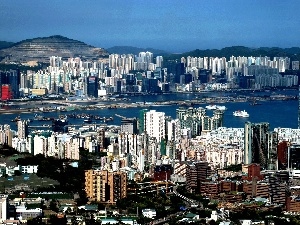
column 191, row 168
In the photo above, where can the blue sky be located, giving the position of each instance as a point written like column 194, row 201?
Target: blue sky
column 171, row 25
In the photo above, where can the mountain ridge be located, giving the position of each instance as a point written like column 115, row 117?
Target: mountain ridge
column 41, row 48
column 244, row 51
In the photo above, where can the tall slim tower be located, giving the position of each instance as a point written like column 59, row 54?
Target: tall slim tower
column 260, row 145
column 3, row 208
column 155, row 125
column 22, row 129
column 142, row 120
column 101, row 138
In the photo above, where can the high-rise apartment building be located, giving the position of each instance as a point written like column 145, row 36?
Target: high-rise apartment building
column 6, row 135
column 22, row 129
column 190, row 118
column 173, row 130
column 129, row 125
column 92, row 86
column 55, row 61
column 142, row 120
column 295, row 65
column 159, row 61
column 155, row 125
column 71, row 149
column 197, row 172
column 101, row 138
column 40, row 145
column 10, row 79
column 294, row 157
column 196, row 120
column 260, row 145
column 105, row 186
column 282, row 152
column 3, row 208
column 272, row 152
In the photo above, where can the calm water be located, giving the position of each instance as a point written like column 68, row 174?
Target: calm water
column 277, row 113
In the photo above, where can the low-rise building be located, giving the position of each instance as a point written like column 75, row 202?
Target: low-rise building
column 129, row 221
column 23, row 213
column 149, row 213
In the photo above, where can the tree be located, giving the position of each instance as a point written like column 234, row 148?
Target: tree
column 143, row 220
column 35, row 221
column 18, row 173
column 58, row 221
column 53, row 205
column 74, row 221
column 213, row 222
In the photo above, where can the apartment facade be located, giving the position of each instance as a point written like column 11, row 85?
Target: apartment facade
column 105, row 186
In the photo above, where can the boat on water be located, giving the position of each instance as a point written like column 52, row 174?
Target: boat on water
column 221, row 107
column 215, row 107
column 88, row 120
column 241, row 113
column 211, row 107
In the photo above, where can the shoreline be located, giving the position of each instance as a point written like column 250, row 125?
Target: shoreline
column 62, row 106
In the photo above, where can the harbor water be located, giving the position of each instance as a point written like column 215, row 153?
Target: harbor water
column 279, row 113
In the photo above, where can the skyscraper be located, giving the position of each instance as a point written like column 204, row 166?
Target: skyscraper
column 11, row 79
column 101, row 138
column 3, row 208
column 294, row 157
column 144, row 59
column 260, row 145
column 92, row 86
column 22, row 129
column 142, row 120
column 159, row 61
column 180, row 70
column 155, row 125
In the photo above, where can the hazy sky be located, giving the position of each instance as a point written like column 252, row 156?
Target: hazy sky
column 171, row 25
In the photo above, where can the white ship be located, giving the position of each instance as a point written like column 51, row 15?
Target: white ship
column 214, row 107
column 241, row 113
column 211, row 107
column 221, row 107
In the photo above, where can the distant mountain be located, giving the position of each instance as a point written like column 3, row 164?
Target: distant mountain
column 5, row 44
column 293, row 53
column 41, row 48
column 134, row 50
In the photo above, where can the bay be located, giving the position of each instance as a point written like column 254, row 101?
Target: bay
column 279, row 113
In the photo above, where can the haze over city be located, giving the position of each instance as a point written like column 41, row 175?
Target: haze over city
column 171, row 25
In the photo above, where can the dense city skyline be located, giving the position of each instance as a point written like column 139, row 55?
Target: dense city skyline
column 206, row 137
column 168, row 25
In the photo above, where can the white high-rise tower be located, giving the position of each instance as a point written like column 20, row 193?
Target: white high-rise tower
column 155, row 125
